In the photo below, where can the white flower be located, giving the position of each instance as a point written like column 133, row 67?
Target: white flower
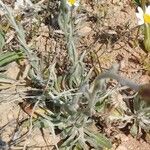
column 143, row 17
column 72, row 3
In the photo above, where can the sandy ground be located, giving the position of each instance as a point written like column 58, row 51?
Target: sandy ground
column 108, row 30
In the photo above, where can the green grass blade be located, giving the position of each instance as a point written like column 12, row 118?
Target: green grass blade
column 99, row 139
column 9, row 57
column 2, row 40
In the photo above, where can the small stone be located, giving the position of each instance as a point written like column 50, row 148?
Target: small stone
column 145, row 79
column 13, row 70
column 121, row 148
column 84, row 31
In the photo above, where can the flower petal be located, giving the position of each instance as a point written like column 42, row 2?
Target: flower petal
column 140, row 21
column 139, row 16
column 140, row 10
column 76, row 4
column 147, row 10
column 68, row 3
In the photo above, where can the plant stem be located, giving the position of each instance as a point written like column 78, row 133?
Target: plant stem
column 147, row 36
column 143, row 4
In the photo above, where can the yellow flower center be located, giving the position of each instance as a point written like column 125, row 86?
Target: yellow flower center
column 146, row 18
column 72, row 2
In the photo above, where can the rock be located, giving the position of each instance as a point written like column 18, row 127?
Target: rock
column 13, row 70
column 121, row 148
column 84, row 31
column 3, row 145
